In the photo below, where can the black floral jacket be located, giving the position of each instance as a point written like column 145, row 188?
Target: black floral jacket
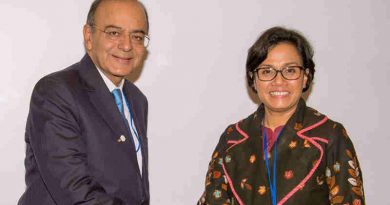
column 316, row 164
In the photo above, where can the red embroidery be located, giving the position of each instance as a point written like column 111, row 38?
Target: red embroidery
column 288, row 174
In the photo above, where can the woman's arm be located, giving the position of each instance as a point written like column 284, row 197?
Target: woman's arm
column 343, row 173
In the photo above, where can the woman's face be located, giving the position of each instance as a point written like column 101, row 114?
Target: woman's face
column 281, row 95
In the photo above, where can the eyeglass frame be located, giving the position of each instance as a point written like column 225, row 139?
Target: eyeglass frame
column 255, row 72
column 107, row 34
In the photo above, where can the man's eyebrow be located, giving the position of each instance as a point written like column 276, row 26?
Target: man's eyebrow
column 139, row 31
column 113, row 26
column 117, row 27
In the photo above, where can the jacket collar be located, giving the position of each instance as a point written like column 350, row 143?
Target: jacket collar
column 295, row 120
column 250, row 144
column 101, row 97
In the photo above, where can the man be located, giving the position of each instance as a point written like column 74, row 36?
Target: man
column 86, row 129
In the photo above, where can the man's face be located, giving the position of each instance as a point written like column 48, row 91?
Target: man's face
column 116, row 58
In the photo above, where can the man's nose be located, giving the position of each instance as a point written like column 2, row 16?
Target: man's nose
column 125, row 43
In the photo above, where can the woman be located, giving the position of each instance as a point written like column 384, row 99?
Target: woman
column 285, row 152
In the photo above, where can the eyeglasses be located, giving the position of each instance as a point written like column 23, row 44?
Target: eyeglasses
column 268, row 73
column 115, row 34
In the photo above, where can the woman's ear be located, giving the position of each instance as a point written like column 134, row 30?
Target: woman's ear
column 305, row 77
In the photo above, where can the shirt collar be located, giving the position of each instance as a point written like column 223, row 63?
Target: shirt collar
column 111, row 86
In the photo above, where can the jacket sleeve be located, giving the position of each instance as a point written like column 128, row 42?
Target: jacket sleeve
column 217, row 189
column 343, row 173
column 59, row 148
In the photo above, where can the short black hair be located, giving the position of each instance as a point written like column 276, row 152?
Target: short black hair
column 95, row 4
column 258, row 52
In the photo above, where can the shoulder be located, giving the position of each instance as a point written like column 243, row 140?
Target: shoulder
column 242, row 126
column 238, row 132
column 331, row 130
column 57, row 87
column 65, row 77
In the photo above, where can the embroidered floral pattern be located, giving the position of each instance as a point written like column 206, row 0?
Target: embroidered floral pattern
column 354, row 180
column 317, row 113
column 217, row 194
column 336, row 167
column 228, row 159
column 320, row 180
column 245, row 185
column 239, row 176
column 334, row 190
column 215, row 155
column 288, row 174
column 216, row 174
column 292, row 144
column 262, row 190
column 298, row 126
column 252, row 159
column 306, row 144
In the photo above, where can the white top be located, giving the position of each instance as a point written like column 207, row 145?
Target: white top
column 111, row 86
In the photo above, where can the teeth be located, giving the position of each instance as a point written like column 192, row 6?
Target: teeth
column 278, row 93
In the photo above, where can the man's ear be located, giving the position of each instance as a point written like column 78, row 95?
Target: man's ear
column 87, row 33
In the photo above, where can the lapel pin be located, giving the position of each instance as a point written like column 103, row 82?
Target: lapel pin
column 122, row 138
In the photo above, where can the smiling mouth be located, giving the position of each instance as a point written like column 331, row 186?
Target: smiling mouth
column 279, row 93
column 122, row 58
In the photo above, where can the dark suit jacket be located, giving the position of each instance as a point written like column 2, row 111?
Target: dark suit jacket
column 73, row 154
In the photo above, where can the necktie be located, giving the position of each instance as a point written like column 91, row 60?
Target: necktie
column 117, row 93
column 118, row 100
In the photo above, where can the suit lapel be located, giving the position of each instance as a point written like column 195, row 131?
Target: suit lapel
column 133, row 105
column 245, row 162
column 104, row 104
column 256, row 139
column 132, row 102
column 101, row 98
column 295, row 155
column 289, row 132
